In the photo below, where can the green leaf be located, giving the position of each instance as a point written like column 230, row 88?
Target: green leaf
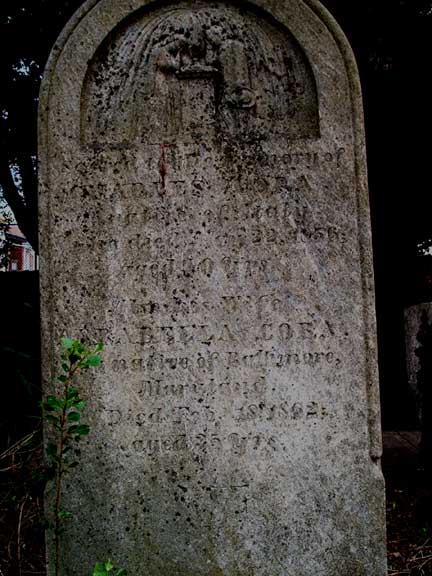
column 81, row 430
column 99, row 570
column 121, row 572
column 109, row 566
column 73, row 417
column 81, row 348
column 93, row 360
column 79, row 404
column 54, row 403
column 62, row 378
column 67, row 343
column 63, row 515
column 72, row 397
column 52, row 419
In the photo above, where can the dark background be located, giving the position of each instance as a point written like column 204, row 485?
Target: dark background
column 391, row 40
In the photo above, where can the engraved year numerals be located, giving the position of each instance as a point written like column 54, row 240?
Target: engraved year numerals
column 285, row 411
column 203, row 413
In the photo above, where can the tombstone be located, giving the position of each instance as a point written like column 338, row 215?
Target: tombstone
column 204, row 211
column 418, row 322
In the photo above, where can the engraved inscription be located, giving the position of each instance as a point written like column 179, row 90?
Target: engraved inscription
column 158, row 363
column 283, row 413
column 217, row 231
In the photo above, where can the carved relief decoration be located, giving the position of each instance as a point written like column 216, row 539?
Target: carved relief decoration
column 198, row 71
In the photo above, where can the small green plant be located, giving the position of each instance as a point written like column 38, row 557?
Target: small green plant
column 62, row 413
column 108, row 569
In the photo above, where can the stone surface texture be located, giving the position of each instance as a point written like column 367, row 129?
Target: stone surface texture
column 416, row 317
column 204, row 211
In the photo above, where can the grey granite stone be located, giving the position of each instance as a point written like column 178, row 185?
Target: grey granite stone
column 415, row 317
column 204, row 211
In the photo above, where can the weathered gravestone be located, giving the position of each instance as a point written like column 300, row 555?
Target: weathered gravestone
column 204, row 210
column 418, row 336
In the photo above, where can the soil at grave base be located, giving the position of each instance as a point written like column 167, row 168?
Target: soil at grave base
column 409, row 522
column 22, row 534
column 409, row 518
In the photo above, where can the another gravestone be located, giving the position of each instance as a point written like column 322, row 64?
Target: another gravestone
column 204, row 211
column 418, row 332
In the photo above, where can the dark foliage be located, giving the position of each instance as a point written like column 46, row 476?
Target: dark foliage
column 22, row 534
column 28, row 30
column 19, row 356
column 21, row 482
